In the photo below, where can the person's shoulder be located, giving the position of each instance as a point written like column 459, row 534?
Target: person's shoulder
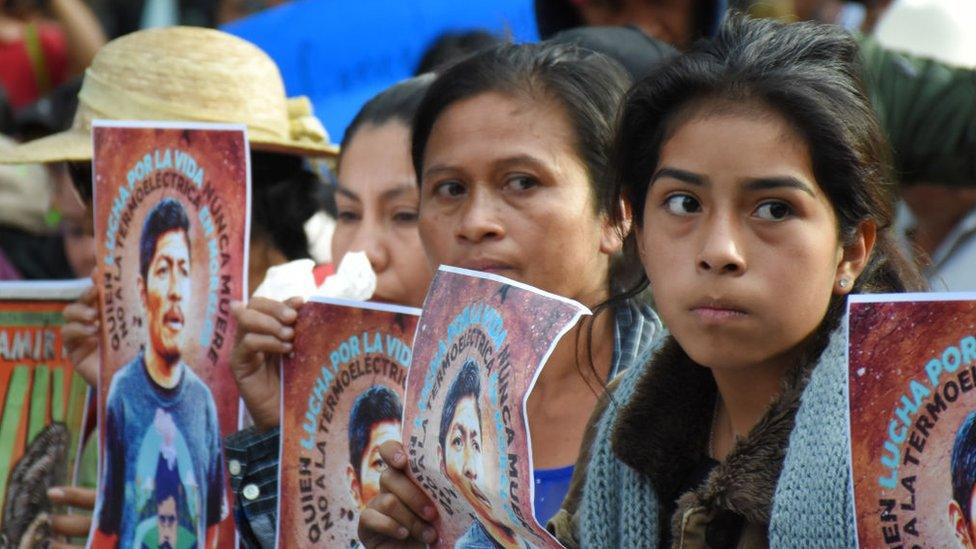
column 196, row 389
column 125, row 376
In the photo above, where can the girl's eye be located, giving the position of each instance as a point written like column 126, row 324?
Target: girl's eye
column 449, row 189
column 682, row 204
column 521, row 183
column 773, row 210
column 405, row 217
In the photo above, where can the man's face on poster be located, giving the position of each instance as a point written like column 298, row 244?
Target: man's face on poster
column 167, row 523
column 165, row 293
column 372, row 465
column 463, row 463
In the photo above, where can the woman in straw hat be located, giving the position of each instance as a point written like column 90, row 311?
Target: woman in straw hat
column 202, row 75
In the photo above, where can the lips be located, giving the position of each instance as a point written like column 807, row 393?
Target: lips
column 718, row 311
column 487, row 265
column 480, row 495
column 173, row 319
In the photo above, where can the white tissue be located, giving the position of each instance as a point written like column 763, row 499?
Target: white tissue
column 354, row 279
column 292, row 279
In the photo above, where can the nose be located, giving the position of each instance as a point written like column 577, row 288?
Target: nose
column 176, row 281
column 479, row 219
column 721, row 249
column 369, row 239
column 470, row 467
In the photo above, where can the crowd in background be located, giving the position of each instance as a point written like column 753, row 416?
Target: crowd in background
column 916, row 61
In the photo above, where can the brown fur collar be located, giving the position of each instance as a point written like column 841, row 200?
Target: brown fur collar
column 663, row 432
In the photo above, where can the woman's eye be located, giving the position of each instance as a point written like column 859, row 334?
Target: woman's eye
column 521, row 183
column 405, row 217
column 773, row 211
column 347, row 216
column 449, row 189
column 682, row 204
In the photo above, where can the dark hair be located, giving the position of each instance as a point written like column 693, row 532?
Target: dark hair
column 398, row 103
column 167, row 482
column 807, row 73
column 285, row 193
column 587, row 85
column 167, row 215
column 466, row 384
column 450, row 47
column 375, row 405
column 964, row 463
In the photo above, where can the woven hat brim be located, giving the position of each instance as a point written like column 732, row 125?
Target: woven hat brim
column 76, row 146
column 69, row 146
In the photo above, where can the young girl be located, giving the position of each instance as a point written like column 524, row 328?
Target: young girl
column 755, row 172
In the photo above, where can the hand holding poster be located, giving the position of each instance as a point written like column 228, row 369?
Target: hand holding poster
column 481, row 343
column 342, row 390
column 912, row 371
column 42, row 404
column 171, row 225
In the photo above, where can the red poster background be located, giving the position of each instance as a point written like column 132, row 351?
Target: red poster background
column 223, row 155
column 890, row 345
column 322, row 329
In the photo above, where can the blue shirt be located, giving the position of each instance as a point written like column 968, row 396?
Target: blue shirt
column 148, row 428
column 551, row 486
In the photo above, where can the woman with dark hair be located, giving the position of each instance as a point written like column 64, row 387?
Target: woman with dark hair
column 377, row 201
column 757, row 177
column 511, row 150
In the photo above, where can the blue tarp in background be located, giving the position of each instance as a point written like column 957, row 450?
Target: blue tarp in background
column 342, row 52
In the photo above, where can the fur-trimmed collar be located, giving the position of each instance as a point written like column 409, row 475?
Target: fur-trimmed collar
column 663, row 432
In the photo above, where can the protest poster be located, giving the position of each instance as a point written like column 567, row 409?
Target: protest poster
column 912, row 371
column 42, row 406
column 480, row 346
column 171, row 206
column 342, row 394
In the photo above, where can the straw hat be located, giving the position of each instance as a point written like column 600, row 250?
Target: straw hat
column 184, row 73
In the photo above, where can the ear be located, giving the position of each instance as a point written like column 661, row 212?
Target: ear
column 854, row 257
column 613, row 234
column 354, row 489
column 957, row 519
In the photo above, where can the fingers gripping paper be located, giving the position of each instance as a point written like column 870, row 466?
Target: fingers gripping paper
column 480, row 346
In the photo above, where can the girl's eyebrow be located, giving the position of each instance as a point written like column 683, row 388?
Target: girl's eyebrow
column 680, row 175
column 769, row 183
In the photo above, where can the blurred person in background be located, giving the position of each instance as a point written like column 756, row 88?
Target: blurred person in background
column 29, row 247
column 43, row 43
column 176, row 67
column 937, row 220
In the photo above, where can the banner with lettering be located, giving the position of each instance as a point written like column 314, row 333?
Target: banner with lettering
column 481, row 344
column 911, row 380
column 171, row 204
column 42, row 405
column 342, row 394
